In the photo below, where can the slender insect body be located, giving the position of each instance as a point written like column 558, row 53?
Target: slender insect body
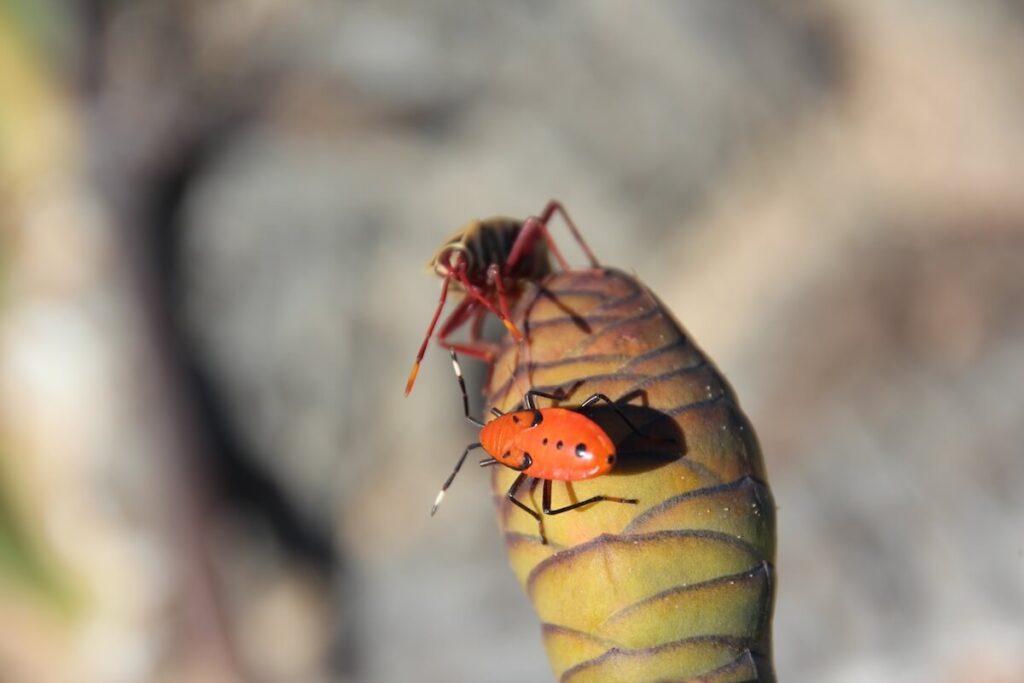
column 488, row 261
column 559, row 444
column 479, row 244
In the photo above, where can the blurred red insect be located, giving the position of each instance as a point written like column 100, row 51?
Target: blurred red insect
column 489, row 260
column 547, row 444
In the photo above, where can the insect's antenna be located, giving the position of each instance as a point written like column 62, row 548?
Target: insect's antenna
column 465, row 396
column 430, row 331
column 451, row 477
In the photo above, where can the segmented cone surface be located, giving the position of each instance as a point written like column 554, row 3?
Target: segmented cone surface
column 679, row 587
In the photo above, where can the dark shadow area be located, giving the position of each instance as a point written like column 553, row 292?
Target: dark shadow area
column 576, row 318
column 645, row 438
column 657, row 441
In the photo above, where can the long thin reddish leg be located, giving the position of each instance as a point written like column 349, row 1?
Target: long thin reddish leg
column 476, row 294
column 532, row 230
column 494, row 275
column 476, row 331
column 556, row 206
column 536, row 227
column 430, row 330
column 467, row 308
column 459, row 315
column 481, row 351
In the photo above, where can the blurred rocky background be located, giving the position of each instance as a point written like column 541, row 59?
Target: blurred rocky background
column 214, row 217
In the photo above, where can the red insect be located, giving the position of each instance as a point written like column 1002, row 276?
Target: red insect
column 489, row 260
column 548, row 444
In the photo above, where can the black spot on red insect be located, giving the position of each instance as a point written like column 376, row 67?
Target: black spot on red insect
column 515, row 418
column 581, row 450
column 559, row 444
column 545, row 441
column 506, row 455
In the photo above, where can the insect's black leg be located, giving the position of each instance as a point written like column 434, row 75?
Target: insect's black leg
column 451, row 477
column 511, row 495
column 487, row 462
column 546, row 501
column 601, row 397
column 532, row 405
column 496, row 413
column 645, row 400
